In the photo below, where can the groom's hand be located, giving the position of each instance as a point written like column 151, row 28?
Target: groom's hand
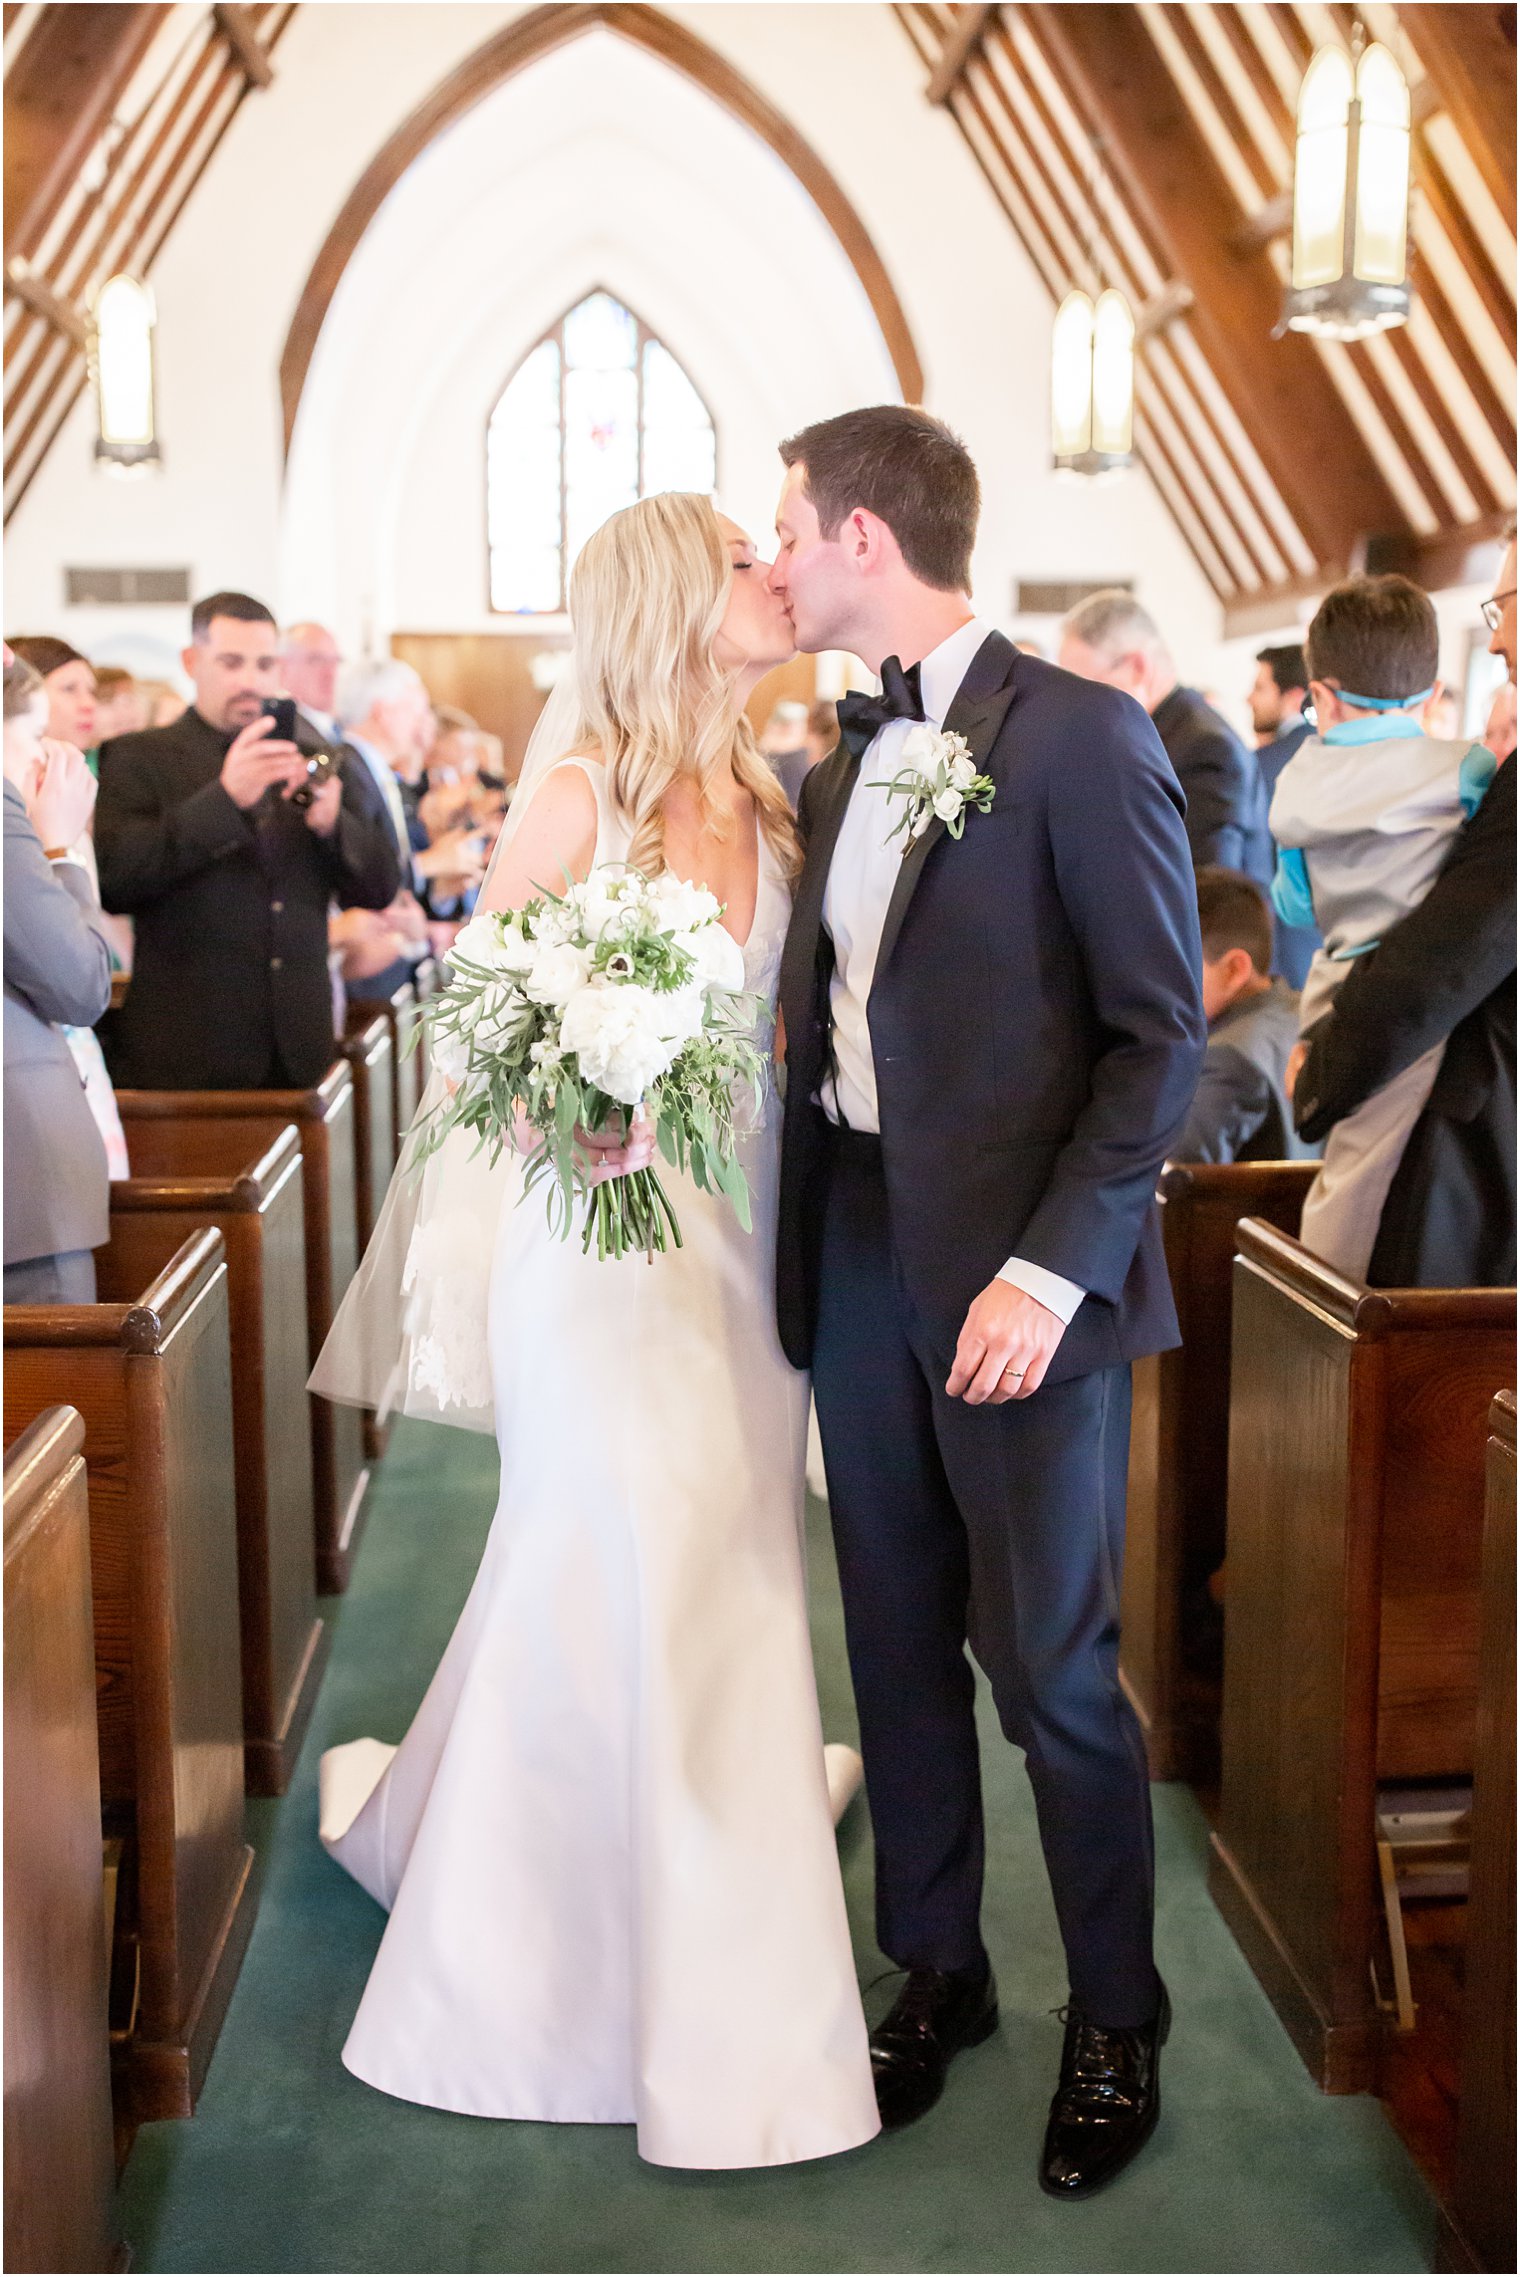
column 1004, row 1348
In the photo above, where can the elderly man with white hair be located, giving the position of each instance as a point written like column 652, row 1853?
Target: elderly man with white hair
column 385, row 715
column 1111, row 638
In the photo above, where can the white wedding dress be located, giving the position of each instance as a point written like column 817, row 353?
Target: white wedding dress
column 606, row 1842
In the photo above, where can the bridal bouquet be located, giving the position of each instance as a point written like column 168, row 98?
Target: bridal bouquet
column 621, row 992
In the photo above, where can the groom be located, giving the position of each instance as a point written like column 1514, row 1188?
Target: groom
column 993, row 1033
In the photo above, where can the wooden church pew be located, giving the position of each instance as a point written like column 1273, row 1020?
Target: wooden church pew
column 1479, row 2225
column 1179, row 1452
column 400, row 1013
column 370, row 1053
column 152, row 1380
column 1351, row 1628
column 59, row 2162
column 209, row 1173
column 324, row 1116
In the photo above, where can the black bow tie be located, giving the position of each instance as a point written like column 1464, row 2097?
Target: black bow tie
column 862, row 718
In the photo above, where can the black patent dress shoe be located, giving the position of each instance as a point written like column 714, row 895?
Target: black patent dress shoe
column 931, row 2020
column 1106, row 2105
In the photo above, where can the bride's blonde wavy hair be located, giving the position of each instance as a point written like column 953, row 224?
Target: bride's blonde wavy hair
column 647, row 597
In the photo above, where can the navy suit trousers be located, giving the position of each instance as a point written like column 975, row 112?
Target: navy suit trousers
column 1001, row 1526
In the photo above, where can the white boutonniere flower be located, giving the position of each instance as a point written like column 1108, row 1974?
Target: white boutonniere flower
column 937, row 779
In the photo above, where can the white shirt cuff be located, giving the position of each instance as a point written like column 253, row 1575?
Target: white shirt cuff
column 1049, row 1289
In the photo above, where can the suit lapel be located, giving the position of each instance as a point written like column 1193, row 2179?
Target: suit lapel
column 977, row 713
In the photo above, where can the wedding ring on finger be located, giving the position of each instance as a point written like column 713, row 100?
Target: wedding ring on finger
column 1013, row 1375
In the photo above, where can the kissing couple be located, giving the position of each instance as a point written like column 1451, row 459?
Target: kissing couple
column 606, row 1843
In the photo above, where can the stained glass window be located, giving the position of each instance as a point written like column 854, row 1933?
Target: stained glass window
column 598, row 414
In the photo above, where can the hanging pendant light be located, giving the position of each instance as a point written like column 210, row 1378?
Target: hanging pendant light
column 1092, row 384
column 1350, row 197
column 121, row 362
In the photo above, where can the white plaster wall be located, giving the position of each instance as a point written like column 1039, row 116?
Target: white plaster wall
column 597, row 166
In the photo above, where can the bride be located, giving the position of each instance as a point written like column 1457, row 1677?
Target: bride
column 606, row 1842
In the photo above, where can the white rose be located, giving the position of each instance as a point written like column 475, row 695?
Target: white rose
column 962, row 774
column 616, row 1035
column 557, row 973
column 920, row 747
column 948, row 805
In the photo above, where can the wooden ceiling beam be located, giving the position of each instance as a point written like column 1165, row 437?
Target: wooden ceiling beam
column 239, row 30
column 1467, row 556
column 964, row 39
column 1306, row 438
column 1469, row 54
column 60, row 95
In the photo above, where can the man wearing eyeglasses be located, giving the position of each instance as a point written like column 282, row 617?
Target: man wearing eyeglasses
column 1447, row 973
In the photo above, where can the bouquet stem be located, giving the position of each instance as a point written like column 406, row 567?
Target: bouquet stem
column 630, row 1214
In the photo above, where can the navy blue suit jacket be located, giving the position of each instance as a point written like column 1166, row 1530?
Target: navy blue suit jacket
column 1035, row 1019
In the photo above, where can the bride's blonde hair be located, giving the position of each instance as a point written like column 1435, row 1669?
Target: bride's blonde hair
column 647, row 597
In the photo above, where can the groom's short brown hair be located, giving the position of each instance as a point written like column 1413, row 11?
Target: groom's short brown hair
column 907, row 469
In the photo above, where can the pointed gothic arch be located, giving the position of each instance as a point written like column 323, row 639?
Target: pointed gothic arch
column 524, row 42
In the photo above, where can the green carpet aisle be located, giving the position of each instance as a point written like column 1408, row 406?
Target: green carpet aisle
column 292, row 2165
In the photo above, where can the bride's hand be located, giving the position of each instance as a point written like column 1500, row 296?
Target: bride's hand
column 613, row 1154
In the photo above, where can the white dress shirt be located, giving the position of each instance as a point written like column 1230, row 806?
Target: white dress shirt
column 861, row 877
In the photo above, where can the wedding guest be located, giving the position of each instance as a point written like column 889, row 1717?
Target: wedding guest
column 1445, row 976
column 784, row 746
column 69, row 679
column 121, row 705
column 1110, row 638
column 1240, row 1110
column 57, row 968
column 1365, row 814
column 823, row 730
column 228, row 879
column 1442, row 716
column 1499, row 731
column 1278, row 697
column 311, row 660
column 384, row 706
column 165, row 702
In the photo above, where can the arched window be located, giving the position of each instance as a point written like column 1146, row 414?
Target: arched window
column 597, row 415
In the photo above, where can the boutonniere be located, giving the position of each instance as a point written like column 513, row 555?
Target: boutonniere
column 937, row 778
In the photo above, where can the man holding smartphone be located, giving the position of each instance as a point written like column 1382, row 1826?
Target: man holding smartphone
column 201, row 840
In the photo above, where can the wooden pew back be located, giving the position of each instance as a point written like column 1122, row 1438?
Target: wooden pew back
column 255, row 1201
column 59, row 2163
column 1355, row 1504
column 1179, row 1449
column 324, row 1117
column 152, row 1380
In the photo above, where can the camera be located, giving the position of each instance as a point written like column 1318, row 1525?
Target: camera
column 320, row 768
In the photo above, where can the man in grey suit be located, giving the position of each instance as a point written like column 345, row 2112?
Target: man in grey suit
column 57, row 968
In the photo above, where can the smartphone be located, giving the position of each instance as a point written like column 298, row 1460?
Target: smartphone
column 282, row 710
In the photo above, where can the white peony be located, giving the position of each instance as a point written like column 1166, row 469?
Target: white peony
column 719, row 958
column 962, row 774
column 681, row 1012
column 557, row 972
column 618, row 1035
column 451, row 1058
column 677, row 907
column 604, row 901
column 948, row 805
column 497, row 943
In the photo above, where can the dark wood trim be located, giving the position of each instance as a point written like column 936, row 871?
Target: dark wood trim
column 1450, row 557
column 1469, row 54
column 1161, row 165
column 60, row 92
column 38, row 295
column 237, row 28
column 524, row 41
column 962, row 43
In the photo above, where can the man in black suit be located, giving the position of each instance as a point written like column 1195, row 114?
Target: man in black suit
column 994, row 1029
column 1110, row 638
column 229, row 882
column 1446, row 970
